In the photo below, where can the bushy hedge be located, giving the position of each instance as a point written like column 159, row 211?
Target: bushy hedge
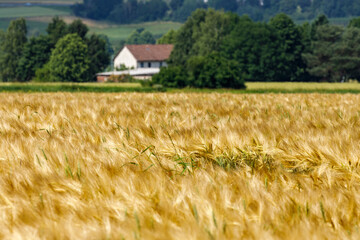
column 211, row 71
column 172, row 76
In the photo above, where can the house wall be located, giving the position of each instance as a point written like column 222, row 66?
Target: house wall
column 125, row 57
column 153, row 64
column 102, row 78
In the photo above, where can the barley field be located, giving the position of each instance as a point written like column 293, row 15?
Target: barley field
column 179, row 166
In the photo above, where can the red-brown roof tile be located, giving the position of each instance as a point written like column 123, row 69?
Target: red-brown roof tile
column 150, row 52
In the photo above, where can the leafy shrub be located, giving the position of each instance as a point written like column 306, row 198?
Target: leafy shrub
column 172, row 76
column 214, row 71
column 121, row 78
column 69, row 61
column 42, row 74
column 211, row 71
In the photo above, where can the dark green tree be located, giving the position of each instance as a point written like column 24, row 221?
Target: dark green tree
column 95, row 9
column 69, row 60
column 355, row 22
column 147, row 37
column 320, row 61
column 167, row 38
column 202, row 33
column 255, row 46
column 56, row 29
column 288, row 6
column 35, row 54
column 255, row 13
column 346, row 57
column 172, row 76
column 211, row 32
column 2, row 53
column 305, row 31
column 229, row 5
column 187, row 9
column 214, row 71
column 319, row 21
column 140, row 36
column 12, row 44
column 175, row 4
column 78, row 27
column 151, row 10
column 185, row 38
column 98, row 55
column 290, row 63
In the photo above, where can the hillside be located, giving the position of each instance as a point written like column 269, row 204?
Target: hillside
column 38, row 17
column 129, row 11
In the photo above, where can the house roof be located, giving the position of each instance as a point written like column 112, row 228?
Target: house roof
column 150, row 52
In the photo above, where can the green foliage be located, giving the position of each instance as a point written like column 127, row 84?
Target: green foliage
column 21, row 60
column 2, row 53
column 321, row 20
column 305, row 31
column 347, row 55
column 42, row 74
column 229, row 5
column 172, row 76
column 201, row 34
column 56, row 29
column 355, row 22
column 125, row 78
column 134, row 11
column 95, row 9
column 77, row 87
column 140, row 36
column 211, row 71
column 78, row 27
column 175, row 4
column 215, row 27
column 320, row 60
column 168, row 38
column 290, row 64
column 11, row 48
column 255, row 46
column 130, row 11
column 184, row 39
column 35, row 54
column 187, row 9
column 69, row 60
column 98, row 55
column 214, row 71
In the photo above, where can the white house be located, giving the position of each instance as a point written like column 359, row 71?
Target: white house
column 143, row 61
column 143, row 56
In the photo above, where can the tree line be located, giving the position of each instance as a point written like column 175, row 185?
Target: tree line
column 129, row 11
column 65, row 53
column 212, row 49
column 217, row 49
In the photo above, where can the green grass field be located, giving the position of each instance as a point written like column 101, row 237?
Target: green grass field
column 34, row 27
column 121, row 32
column 33, row 11
column 75, row 87
column 38, row 18
column 301, row 85
column 136, row 87
column 284, row 87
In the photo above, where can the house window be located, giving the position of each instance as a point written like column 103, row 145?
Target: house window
column 141, row 65
column 149, row 64
column 160, row 64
